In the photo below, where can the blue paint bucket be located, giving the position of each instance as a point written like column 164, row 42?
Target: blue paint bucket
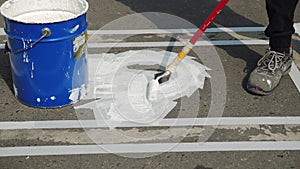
column 47, row 48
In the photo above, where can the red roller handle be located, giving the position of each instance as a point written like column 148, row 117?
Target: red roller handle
column 208, row 21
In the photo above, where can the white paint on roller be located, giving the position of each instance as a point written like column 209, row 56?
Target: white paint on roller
column 124, row 89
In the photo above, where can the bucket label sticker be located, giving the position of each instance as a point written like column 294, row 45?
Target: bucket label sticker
column 79, row 45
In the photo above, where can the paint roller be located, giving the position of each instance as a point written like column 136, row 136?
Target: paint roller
column 153, row 85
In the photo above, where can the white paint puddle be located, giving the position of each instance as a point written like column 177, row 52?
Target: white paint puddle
column 123, row 90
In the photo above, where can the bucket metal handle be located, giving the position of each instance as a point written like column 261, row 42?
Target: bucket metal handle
column 46, row 32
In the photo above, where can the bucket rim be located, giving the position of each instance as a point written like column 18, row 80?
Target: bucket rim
column 8, row 2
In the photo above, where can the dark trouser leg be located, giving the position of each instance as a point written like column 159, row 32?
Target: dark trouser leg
column 280, row 28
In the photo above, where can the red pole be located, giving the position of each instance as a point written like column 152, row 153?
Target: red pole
column 208, row 21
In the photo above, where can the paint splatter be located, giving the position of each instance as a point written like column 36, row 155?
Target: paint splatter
column 32, row 70
column 15, row 90
column 123, row 89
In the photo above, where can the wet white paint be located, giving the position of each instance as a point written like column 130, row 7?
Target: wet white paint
column 53, row 98
column 74, row 94
column 77, row 94
column 44, row 16
column 38, row 100
column 46, row 11
column 124, row 89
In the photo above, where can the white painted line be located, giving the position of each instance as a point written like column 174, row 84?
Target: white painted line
column 180, row 122
column 295, row 75
column 165, row 44
column 167, row 31
column 174, row 31
column 2, row 32
column 2, row 46
column 148, row 148
column 297, row 28
column 180, row 44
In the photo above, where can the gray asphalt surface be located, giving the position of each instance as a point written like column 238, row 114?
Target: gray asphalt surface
column 238, row 61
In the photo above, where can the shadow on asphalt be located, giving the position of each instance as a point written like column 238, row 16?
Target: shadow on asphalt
column 5, row 70
column 196, row 11
column 201, row 167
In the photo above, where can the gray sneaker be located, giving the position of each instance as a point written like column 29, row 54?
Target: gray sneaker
column 270, row 68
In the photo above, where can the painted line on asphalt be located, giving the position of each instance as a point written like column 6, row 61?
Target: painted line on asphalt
column 2, row 32
column 166, row 31
column 180, row 122
column 175, row 31
column 295, row 75
column 149, row 148
column 2, row 46
column 177, row 44
column 166, row 44
column 297, row 28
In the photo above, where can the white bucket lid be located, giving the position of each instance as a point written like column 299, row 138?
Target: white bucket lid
column 43, row 11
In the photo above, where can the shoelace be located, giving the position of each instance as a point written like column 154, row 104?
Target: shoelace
column 271, row 60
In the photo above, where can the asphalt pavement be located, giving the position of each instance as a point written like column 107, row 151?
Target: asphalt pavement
column 230, row 129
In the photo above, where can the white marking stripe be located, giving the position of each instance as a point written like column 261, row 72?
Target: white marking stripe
column 164, row 44
column 178, row 31
column 297, row 28
column 2, row 46
column 148, row 148
column 2, row 32
column 167, row 31
column 295, row 76
column 180, row 122
column 159, row 147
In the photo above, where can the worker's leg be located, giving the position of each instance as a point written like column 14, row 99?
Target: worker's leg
column 278, row 59
column 280, row 28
